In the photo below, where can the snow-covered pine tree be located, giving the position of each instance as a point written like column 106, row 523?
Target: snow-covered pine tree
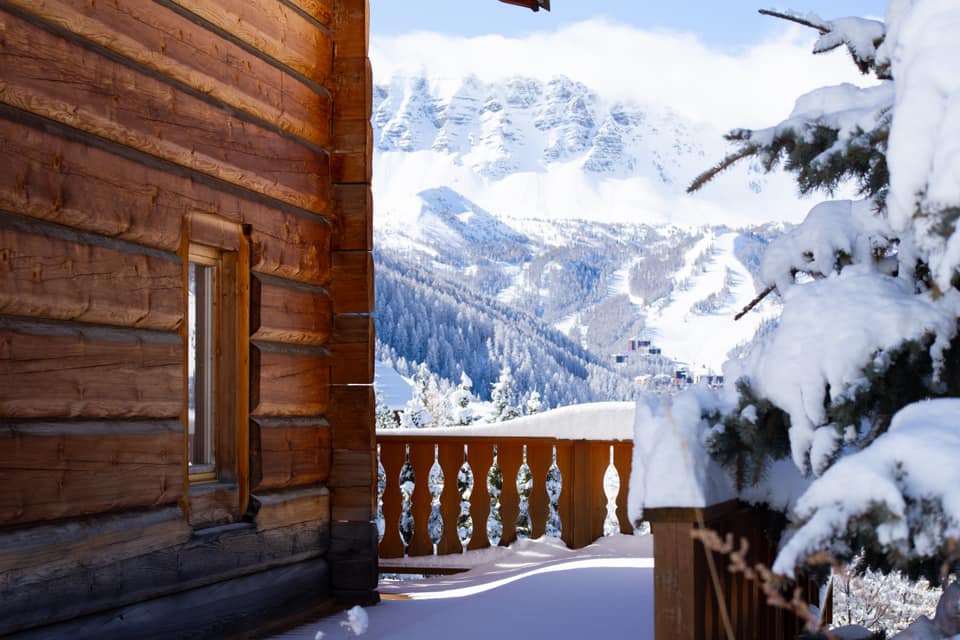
column 385, row 416
column 504, row 398
column 416, row 414
column 858, row 385
column 460, row 412
column 533, row 403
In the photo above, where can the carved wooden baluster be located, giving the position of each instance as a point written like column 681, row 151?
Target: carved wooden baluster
column 407, row 478
column 524, row 482
column 623, row 459
column 465, row 483
column 392, row 457
column 553, row 485
column 495, row 493
column 539, row 458
column 509, row 457
column 565, row 507
column 611, row 487
column 422, row 458
column 450, row 458
column 480, row 459
column 381, row 485
column 435, row 486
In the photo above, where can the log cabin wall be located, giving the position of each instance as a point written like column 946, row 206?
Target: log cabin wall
column 128, row 131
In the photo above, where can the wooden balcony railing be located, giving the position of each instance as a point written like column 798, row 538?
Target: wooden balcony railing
column 581, row 506
column 688, row 602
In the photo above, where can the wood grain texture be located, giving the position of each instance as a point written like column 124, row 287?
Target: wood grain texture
column 319, row 10
column 352, row 158
column 352, row 282
column 352, row 350
column 273, row 29
column 55, row 371
column 354, row 468
column 55, row 79
column 234, row 608
column 353, row 217
column 283, row 311
column 351, row 417
column 50, row 178
column 213, row 555
column 353, row 504
column 392, row 457
column 67, row 279
column 167, row 44
column 287, row 381
column 48, row 550
column 293, row 452
column 285, row 508
column 49, row 473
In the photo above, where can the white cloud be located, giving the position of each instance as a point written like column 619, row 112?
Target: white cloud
column 753, row 88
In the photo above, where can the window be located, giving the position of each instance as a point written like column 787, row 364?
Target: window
column 216, row 361
column 203, row 330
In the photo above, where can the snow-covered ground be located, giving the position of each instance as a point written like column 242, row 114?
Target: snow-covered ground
column 534, row 589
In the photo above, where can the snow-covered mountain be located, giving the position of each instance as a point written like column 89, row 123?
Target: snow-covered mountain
column 525, row 147
column 559, row 219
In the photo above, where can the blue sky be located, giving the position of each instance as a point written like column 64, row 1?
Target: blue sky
column 723, row 24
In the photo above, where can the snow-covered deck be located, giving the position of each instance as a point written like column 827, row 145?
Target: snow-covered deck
column 534, row 589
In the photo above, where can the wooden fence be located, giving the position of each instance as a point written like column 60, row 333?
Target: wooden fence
column 686, row 603
column 581, row 507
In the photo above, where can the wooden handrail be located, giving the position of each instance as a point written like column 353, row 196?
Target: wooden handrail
column 582, row 504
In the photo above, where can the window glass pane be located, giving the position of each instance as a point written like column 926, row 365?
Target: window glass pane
column 200, row 365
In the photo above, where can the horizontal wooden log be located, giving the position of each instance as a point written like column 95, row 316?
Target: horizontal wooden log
column 353, row 558
column 352, row 282
column 353, row 468
column 351, row 27
column 319, row 10
column 288, row 381
column 51, row 178
column 352, row 363
column 293, row 452
column 214, row 503
column 167, row 44
column 353, row 504
column 353, row 86
column 48, row 550
column 211, row 555
column 353, row 217
column 284, row 311
column 352, row 349
column 62, row 371
column 55, row 79
column 351, row 417
column 352, row 157
column 51, row 471
column 279, row 598
column 285, row 508
column 272, row 29
column 51, row 273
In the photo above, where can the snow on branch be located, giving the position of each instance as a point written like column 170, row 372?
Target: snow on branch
column 861, row 36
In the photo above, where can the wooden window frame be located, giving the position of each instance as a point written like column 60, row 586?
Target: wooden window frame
column 220, row 495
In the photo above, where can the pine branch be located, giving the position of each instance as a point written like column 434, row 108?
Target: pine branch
column 796, row 19
column 711, row 173
column 754, row 302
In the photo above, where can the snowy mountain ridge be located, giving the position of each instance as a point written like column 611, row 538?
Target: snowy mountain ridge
column 554, row 149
